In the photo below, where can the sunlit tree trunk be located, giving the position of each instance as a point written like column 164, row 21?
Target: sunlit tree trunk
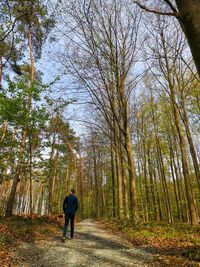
column 152, row 187
column 145, row 179
column 31, row 180
column 97, row 194
column 81, row 193
column 30, row 42
column 119, row 179
column 124, row 180
column 174, row 182
column 182, row 142
column 179, row 188
column 114, row 185
column 1, row 71
column 67, row 178
column 158, row 200
column 188, row 185
column 10, row 203
column 190, row 21
column 41, row 199
column 190, row 141
column 161, row 171
column 51, row 173
column 177, row 163
column 4, row 131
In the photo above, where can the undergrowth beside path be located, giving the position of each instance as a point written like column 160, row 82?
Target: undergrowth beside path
column 18, row 229
column 172, row 243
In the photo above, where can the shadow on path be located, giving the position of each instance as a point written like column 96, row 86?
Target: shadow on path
column 90, row 247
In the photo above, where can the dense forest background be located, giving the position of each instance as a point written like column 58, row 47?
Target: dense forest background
column 126, row 75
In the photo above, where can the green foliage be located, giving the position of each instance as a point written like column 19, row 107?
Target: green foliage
column 163, row 232
column 14, row 99
column 5, row 239
column 192, row 254
column 29, row 15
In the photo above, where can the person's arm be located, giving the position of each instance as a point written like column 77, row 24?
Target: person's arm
column 76, row 204
column 64, row 204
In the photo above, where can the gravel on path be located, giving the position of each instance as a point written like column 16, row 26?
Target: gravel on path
column 92, row 246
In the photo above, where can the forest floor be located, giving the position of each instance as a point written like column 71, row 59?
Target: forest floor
column 25, row 243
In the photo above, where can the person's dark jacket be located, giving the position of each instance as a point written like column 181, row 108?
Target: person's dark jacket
column 70, row 204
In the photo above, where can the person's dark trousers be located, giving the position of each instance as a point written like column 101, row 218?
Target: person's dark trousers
column 69, row 217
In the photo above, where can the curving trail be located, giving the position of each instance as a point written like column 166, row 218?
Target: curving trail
column 91, row 246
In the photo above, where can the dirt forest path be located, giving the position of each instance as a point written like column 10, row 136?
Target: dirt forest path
column 91, row 246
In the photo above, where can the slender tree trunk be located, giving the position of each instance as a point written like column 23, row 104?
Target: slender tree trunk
column 132, row 174
column 4, row 131
column 158, row 201
column 1, row 71
column 188, row 185
column 51, row 173
column 145, row 185
column 194, row 218
column 152, row 187
column 10, row 203
column 120, row 180
column 21, row 193
column 162, row 173
column 179, row 189
column 81, row 177
column 67, row 178
column 30, row 42
column 97, row 197
column 182, row 187
column 175, row 189
column 114, row 194
column 93, row 203
column 30, row 178
column 101, row 185
column 190, row 141
column 41, row 199
column 124, row 179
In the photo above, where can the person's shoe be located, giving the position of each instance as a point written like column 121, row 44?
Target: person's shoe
column 63, row 239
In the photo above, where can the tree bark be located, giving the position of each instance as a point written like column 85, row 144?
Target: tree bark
column 67, row 178
column 30, row 42
column 161, row 170
column 119, row 179
column 189, row 19
column 51, row 173
column 10, row 203
column 124, row 179
column 97, row 197
column 132, row 174
column 174, row 184
column 158, row 200
column 114, row 186
column 190, row 141
column 5, row 128
column 188, row 185
column 152, row 187
column 1, row 71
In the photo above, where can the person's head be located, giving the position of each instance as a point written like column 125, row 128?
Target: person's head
column 72, row 191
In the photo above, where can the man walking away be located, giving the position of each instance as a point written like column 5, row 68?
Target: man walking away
column 70, row 206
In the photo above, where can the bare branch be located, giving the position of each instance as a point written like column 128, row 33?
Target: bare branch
column 13, row 26
column 155, row 11
column 168, row 2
